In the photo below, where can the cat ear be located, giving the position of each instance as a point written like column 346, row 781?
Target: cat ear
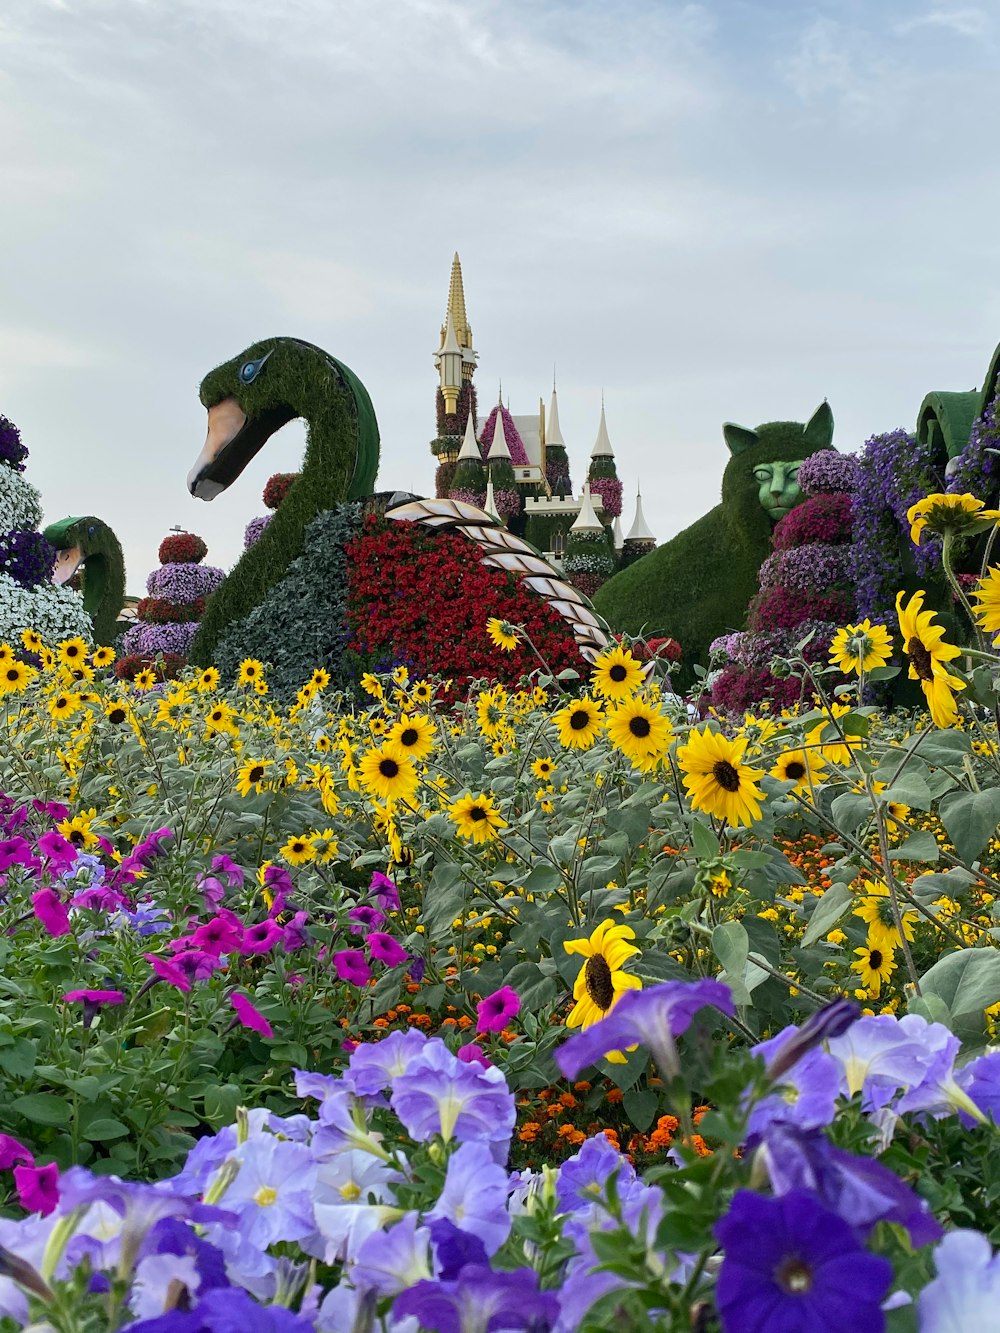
column 739, row 438
column 818, row 433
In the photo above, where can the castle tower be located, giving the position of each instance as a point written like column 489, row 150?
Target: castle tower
column 556, row 459
column 602, row 473
column 455, row 362
column 639, row 541
column 590, row 552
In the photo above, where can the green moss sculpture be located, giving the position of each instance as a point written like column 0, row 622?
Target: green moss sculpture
column 90, row 552
column 250, row 397
column 697, row 586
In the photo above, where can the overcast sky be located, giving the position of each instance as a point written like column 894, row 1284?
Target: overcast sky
column 727, row 210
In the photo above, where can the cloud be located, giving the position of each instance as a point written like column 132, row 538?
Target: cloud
column 964, row 22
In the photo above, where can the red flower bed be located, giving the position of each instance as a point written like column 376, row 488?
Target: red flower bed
column 277, row 487
column 162, row 611
column 740, row 689
column 422, row 599
column 784, row 608
column 823, row 518
column 167, row 666
column 182, row 548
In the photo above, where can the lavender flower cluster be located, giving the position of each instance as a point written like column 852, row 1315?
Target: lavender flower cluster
column 27, row 557
column 976, row 470
column 817, row 565
column 147, row 639
column 477, row 498
column 896, row 471
column 506, row 502
column 255, row 530
column 184, row 582
column 829, row 473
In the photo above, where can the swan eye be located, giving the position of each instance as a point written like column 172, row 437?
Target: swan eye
column 251, row 369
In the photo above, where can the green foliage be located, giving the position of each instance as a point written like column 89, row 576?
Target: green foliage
column 697, row 586
column 341, row 462
column 102, row 573
column 302, row 622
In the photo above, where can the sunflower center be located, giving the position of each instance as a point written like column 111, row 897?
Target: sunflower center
column 476, row 812
column 618, row 673
column 795, row 770
column 116, row 715
column 600, row 986
column 921, row 658
column 875, row 959
column 639, row 726
column 388, row 768
column 726, row 775
column 579, row 719
column 77, row 836
column 410, row 736
column 794, row 1276
column 13, row 674
column 256, row 773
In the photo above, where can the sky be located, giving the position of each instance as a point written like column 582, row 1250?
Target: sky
column 708, row 212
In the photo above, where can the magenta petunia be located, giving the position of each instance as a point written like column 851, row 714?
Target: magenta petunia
column 167, row 971
column 386, row 949
column 364, row 919
column 94, row 997
column 37, row 1187
column 59, row 851
column 352, row 965
column 384, row 891
column 51, row 911
column 496, row 1011
column 261, row 938
column 11, row 1151
column 250, row 1016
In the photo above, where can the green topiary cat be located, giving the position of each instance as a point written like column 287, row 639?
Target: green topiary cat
column 697, row 585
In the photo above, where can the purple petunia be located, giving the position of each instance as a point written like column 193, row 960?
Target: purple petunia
column 351, row 965
column 496, row 1010
column 439, row 1094
column 482, row 1299
column 385, row 949
column 792, row 1264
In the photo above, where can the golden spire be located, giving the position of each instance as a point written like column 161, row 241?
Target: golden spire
column 456, row 307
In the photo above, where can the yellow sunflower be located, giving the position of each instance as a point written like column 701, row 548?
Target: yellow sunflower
column 860, row 647
column 579, row 723
column 117, row 711
column 145, row 679
column 987, row 594
column 422, row 692
column 616, row 674
column 543, row 768
column 477, row 818
column 221, row 720
column 372, row 685
column 414, row 734
column 949, row 513
column 72, row 651
column 388, row 774
column 490, row 711
column 250, row 671
column 251, row 776
column 876, row 962
column 103, row 656
column 207, row 681
column 503, row 634
column 7, row 653
column 32, row 640
column 320, row 678
column 875, row 910
column 299, row 849
column 63, row 705
column 717, row 779
column 78, row 830
column 803, row 767
column 639, row 730
column 831, row 747
column 928, row 653
column 15, row 677
column 601, row 982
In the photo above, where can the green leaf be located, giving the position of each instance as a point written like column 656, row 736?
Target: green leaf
column 917, row 847
column 544, row 878
column 703, row 840
column 99, row 1131
column 911, row 789
column 221, row 1103
column 827, row 912
column 731, row 944
column 970, row 820
column 640, row 1106
column 849, row 811
column 931, row 1007
column 43, row 1107
column 19, row 1060
column 968, row 982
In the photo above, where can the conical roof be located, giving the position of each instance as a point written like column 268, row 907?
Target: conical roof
column 639, row 531
column 456, row 304
column 617, row 532
column 489, row 504
column 470, row 445
column 553, row 435
column 602, row 445
column 587, row 520
column 450, row 343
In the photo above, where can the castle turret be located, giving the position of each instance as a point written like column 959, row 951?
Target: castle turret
column 602, row 473
column 557, row 475
column 590, row 555
column 455, row 361
column 469, row 481
column 639, row 541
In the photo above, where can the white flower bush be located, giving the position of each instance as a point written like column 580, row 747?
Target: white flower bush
column 20, row 506
column 56, row 613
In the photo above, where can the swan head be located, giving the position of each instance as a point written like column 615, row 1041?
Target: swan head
column 246, row 403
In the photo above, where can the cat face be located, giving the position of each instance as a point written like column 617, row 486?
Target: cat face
column 778, row 487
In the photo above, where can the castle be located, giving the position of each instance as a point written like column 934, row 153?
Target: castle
column 517, row 467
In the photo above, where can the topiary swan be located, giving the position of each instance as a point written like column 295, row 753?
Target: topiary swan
column 88, row 547
column 249, row 398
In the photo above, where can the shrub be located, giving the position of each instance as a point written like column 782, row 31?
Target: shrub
column 277, row 487
column 182, row 548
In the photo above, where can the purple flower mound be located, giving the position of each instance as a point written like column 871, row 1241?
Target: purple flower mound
column 507, row 503
column 829, row 473
column 518, row 453
column 793, row 1265
column 976, row 470
column 787, row 608
column 147, row 639
column 815, row 566
column 255, row 530
column 477, row 498
column 184, row 582
column 12, row 451
column 610, row 491
column 27, row 557
column 824, row 518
